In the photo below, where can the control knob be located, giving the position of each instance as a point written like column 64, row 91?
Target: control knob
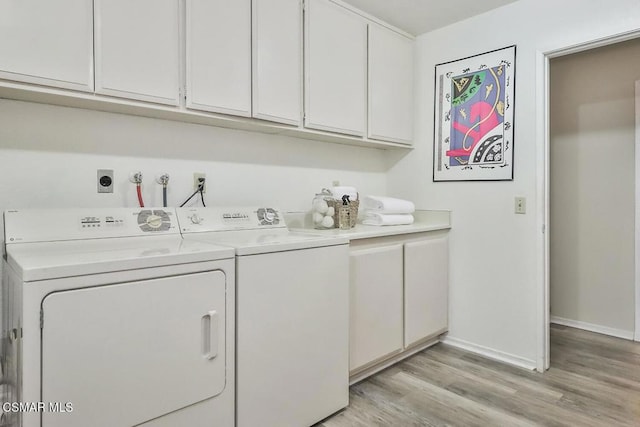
column 269, row 216
column 195, row 219
column 154, row 221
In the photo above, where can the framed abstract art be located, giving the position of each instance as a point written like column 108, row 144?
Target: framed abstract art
column 474, row 110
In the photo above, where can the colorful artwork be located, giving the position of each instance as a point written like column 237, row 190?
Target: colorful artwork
column 474, row 117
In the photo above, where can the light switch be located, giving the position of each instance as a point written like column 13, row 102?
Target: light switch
column 521, row 205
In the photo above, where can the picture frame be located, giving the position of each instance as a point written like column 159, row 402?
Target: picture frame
column 474, row 117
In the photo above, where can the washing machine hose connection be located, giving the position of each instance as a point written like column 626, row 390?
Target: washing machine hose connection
column 139, row 191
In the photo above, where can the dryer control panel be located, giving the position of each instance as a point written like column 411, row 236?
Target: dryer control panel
column 47, row 225
column 194, row 220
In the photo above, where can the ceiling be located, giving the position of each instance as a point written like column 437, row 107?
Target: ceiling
column 420, row 16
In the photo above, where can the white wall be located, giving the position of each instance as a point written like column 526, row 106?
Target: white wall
column 49, row 156
column 496, row 269
column 593, row 186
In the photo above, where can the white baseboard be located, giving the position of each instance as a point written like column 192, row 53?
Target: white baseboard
column 380, row 365
column 619, row 333
column 500, row 356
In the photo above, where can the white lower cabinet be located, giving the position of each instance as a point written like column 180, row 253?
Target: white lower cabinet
column 375, row 304
column 398, row 296
column 426, row 286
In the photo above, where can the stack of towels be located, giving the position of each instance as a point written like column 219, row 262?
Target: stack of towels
column 338, row 191
column 380, row 210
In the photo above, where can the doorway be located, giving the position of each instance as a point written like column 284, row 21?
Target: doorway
column 592, row 188
column 589, row 208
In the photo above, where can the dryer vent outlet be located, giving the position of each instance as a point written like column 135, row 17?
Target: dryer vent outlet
column 105, row 180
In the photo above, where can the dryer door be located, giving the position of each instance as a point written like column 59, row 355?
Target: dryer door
column 126, row 353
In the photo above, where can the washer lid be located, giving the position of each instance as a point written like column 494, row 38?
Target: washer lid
column 51, row 260
column 252, row 242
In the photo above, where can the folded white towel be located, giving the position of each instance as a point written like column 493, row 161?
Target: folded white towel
column 387, row 205
column 372, row 218
column 338, row 192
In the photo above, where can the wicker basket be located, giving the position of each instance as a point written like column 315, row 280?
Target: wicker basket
column 353, row 211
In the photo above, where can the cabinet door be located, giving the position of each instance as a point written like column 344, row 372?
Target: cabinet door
column 375, row 304
column 277, row 60
column 47, row 42
column 219, row 56
column 336, row 68
column 390, row 85
column 426, row 288
column 138, row 49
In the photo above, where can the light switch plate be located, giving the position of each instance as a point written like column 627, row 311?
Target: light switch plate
column 521, row 205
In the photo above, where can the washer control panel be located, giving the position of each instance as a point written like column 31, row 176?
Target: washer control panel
column 45, row 225
column 224, row 219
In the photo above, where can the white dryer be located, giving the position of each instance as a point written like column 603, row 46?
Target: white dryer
column 292, row 365
column 114, row 320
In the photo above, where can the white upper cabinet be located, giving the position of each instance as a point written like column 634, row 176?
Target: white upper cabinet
column 336, row 69
column 316, row 65
column 390, row 85
column 219, row 56
column 138, row 49
column 47, row 42
column 277, row 60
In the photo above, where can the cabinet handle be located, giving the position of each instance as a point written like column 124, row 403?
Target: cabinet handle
column 210, row 335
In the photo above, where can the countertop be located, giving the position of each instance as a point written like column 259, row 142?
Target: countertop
column 425, row 220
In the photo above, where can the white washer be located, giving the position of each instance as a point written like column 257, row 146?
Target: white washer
column 292, row 336
column 114, row 320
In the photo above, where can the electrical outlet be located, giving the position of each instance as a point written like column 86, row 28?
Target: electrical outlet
column 196, row 181
column 521, row 205
column 105, row 180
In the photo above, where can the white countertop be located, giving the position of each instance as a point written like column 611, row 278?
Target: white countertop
column 424, row 221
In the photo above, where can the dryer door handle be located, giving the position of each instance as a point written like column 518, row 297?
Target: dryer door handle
column 210, row 335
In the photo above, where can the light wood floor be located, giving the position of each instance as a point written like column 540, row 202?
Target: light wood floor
column 594, row 380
